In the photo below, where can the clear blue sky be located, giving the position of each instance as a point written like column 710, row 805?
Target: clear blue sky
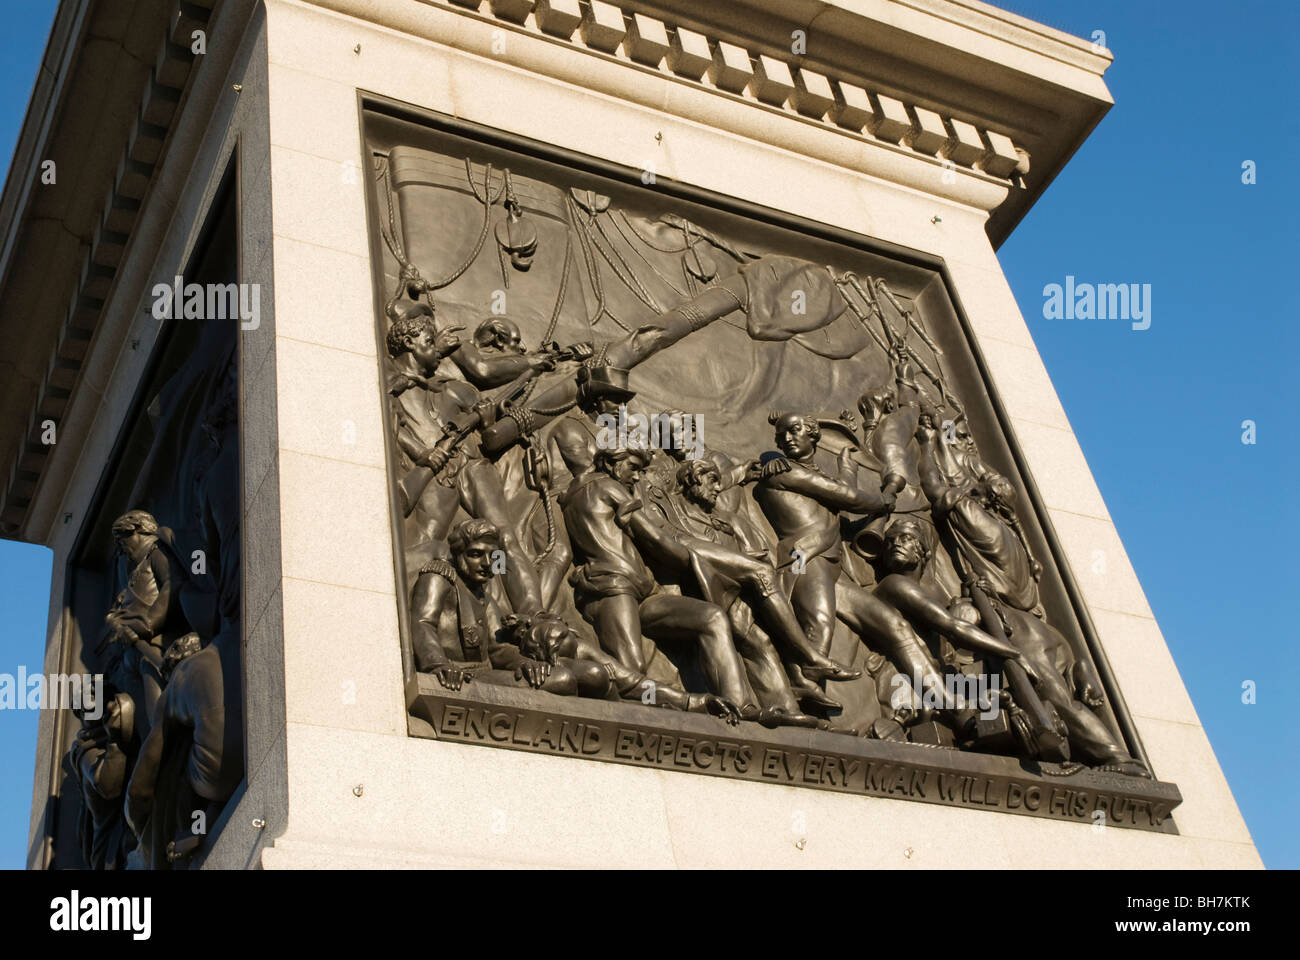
column 24, row 568
column 1155, row 196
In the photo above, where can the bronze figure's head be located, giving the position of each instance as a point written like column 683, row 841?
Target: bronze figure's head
column 700, row 481
column 133, row 529
column 625, row 464
column 796, row 435
column 540, row 637
column 473, row 543
column 907, row 547
column 414, row 332
column 500, row 334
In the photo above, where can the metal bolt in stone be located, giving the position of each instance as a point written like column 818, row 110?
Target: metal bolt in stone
column 936, row 219
column 357, row 48
column 237, row 87
column 800, row 843
column 259, row 823
column 907, row 853
column 357, row 790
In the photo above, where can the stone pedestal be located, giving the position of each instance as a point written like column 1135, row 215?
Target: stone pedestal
column 904, row 125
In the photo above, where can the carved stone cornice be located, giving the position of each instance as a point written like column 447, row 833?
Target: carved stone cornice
column 106, row 77
column 959, row 83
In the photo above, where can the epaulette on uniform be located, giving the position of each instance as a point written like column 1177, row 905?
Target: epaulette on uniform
column 441, row 567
